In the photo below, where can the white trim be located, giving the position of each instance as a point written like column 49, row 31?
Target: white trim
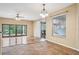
column 65, row 24
column 60, row 14
column 65, row 45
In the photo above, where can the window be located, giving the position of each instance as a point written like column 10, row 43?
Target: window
column 24, row 30
column 5, row 30
column 59, row 26
column 19, row 30
column 14, row 30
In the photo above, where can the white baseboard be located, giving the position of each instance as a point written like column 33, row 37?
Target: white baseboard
column 65, row 45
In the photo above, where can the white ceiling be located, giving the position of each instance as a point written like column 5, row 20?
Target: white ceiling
column 31, row 11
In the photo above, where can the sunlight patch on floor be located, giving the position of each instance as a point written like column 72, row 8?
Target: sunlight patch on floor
column 42, row 39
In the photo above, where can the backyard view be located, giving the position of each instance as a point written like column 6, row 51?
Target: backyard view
column 14, row 30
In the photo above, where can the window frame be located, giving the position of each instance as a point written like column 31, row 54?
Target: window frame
column 15, row 30
column 61, row 36
column 9, row 30
column 2, row 31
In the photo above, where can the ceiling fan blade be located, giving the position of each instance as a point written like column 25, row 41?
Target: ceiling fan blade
column 21, row 17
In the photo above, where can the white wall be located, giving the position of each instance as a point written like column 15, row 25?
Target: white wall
column 37, row 27
column 77, row 41
column 71, row 21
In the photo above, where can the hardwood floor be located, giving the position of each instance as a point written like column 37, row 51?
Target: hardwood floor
column 38, row 48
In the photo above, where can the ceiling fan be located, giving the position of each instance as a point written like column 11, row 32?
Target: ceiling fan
column 19, row 16
column 43, row 13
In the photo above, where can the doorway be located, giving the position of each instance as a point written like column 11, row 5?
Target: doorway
column 43, row 29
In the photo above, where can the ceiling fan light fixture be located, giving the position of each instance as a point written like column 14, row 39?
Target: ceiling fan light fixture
column 43, row 15
column 44, row 12
column 18, row 18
